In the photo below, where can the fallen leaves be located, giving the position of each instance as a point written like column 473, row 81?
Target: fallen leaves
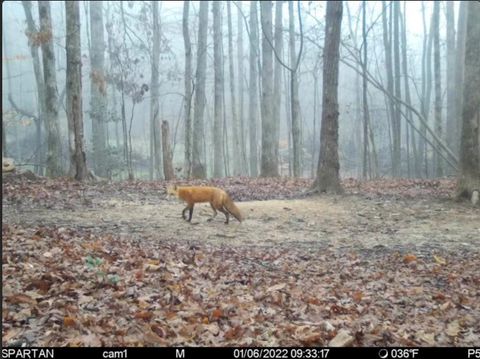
column 72, row 286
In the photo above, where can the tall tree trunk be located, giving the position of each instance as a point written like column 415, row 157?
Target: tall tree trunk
column 328, row 178
column 167, row 152
column 32, row 30
column 277, row 80
column 253, row 93
column 241, row 94
column 188, row 91
column 459, row 70
column 54, row 168
column 295, row 106
column 451, row 125
column 74, row 89
column 438, row 84
column 268, row 168
column 218, row 165
column 237, row 137
column 426, row 87
column 155, row 137
column 366, row 113
column 408, row 99
column 387, row 42
column 396, row 125
column 469, row 177
column 199, row 169
column 98, row 88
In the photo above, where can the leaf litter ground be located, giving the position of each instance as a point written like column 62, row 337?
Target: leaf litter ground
column 113, row 264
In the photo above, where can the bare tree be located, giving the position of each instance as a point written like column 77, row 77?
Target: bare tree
column 396, row 123
column 469, row 177
column 241, row 97
column 366, row 112
column 98, row 87
column 295, row 103
column 167, row 152
column 188, row 91
column 74, row 89
column 268, row 168
column 328, row 179
column 199, row 169
column 253, row 93
column 155, row 139
column 218, row 168
column 408, row 100
column 459, row 69
column 277, row 79
column 451, row 126
column 438, row 83
column 237, row 137
column 54, row 168
column 387, row 42
column 37, row 70
column 426, row 86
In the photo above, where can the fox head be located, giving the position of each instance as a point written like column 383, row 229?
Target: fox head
column 172, row 190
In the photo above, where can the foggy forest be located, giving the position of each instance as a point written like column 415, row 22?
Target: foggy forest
column 240, row 173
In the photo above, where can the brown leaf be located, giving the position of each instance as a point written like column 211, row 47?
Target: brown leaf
column 145, row 315
column 21, row 298
column 409, row 258
column 357, row 296
column 69, row 321
column 216, row 314
column 233, row 333
column 157, row 329
column 42, row 285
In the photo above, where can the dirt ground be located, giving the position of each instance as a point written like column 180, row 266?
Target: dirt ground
column 347, row 221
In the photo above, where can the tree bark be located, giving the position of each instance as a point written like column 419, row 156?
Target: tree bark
column 408, row 100
column 74, row 89
column 387, row 42
column 218, row 167
column 253, row 93
column 328, row 179
column 396, row 124
column 54, row 168
column 167, row 152
column 31, row 30
column 199, row 169
column 98, row 88
column 241, row 92
column 268, row 168
column 459, row 70
column 452, row 137
column 237, row 136
column 366, row 113
column 155, row 139
column 295, row 106
column 277, row 80
column 469, row 177
column 188, row 90
column 438, row 83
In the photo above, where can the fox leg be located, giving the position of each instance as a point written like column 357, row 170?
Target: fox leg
column 214, row 212
column 226, row 213
column 190, row 209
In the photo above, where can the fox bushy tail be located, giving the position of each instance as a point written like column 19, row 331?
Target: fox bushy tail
column 232, row 209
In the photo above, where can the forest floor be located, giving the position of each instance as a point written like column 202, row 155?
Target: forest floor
column 114, row 264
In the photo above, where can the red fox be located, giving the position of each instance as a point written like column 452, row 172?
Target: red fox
column 218, row 198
